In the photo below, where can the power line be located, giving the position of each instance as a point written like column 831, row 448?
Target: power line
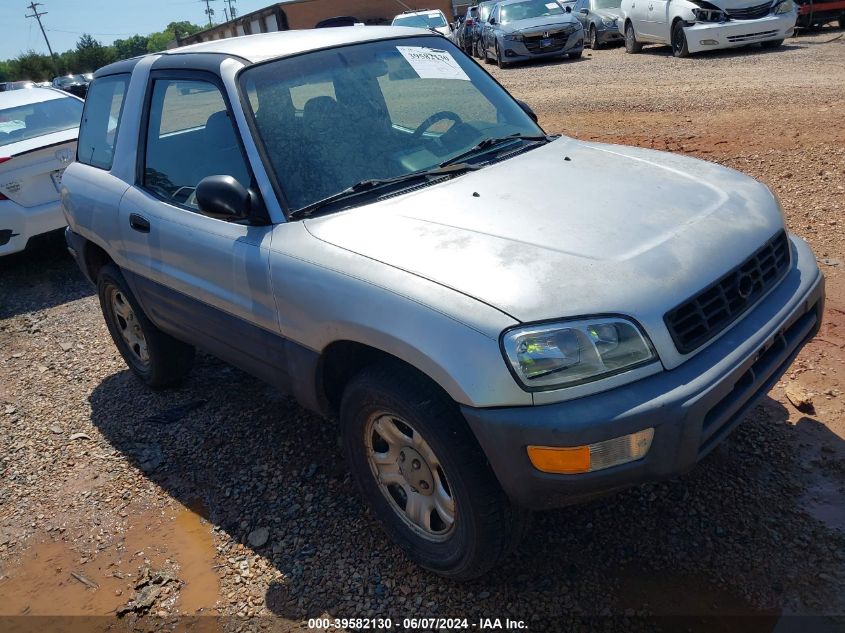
column 37, row 15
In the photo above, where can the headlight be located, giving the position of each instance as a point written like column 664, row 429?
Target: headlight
column 710, row 15
column 560, row 354
column 608, row 21
column 787, row 6
column 514, row 37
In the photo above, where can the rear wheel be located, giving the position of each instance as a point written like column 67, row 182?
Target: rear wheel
column 631, row 43
column 157, row 359
column 679, row 40
column 424, row 476
column 771, row 44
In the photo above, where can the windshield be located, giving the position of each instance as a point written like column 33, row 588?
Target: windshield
column 529, row 9
column 37, row 119
column 432, row 20
column 607, row 4
column 333, row 118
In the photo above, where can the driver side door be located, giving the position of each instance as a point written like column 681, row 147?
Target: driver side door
column 202, row 279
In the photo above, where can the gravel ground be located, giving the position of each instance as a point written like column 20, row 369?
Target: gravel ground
column 224, row 497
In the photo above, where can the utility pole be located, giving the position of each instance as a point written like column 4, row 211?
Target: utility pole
column 233, row 12
column 37, row 15
column 226, row 13
column 209, row 12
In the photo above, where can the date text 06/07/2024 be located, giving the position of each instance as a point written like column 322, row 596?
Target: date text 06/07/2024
column 387, row 624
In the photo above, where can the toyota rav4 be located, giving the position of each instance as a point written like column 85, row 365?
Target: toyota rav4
column 500, row 320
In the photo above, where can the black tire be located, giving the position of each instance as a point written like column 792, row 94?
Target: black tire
column 842, row 22
column 772, row 44
column 679, row 40
column 594, row 38
column 575, row 55
column 631, row 43
column 486, row 57
column 486, row 525
column 499, row 60
column 168, row 360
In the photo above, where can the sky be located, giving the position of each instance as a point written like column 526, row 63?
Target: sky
column 107, row 20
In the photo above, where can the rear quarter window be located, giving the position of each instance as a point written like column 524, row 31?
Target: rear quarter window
column 101, row 121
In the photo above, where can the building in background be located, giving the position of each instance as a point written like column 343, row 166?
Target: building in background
column 305, row 14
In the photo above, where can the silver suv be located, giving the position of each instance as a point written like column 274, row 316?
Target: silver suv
column 499, row 320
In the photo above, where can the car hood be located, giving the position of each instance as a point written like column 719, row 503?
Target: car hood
column 537, row 23
column 608, row 13
column 570, row 228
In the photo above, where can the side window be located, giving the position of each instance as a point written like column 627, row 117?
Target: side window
column 101, row 121
column 190, row 135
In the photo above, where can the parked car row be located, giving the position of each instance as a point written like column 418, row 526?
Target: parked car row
column 507, row 31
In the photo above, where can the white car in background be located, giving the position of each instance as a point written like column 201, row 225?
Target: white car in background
column 38, row 133
column 433, row 20
column 691, row 26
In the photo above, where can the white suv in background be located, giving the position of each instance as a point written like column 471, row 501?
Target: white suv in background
column 691, row 26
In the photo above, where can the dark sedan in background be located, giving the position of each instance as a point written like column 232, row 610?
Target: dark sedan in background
column 600, row 19
column 520, row 30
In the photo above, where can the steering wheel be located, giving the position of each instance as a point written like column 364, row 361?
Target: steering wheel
column 443, row 115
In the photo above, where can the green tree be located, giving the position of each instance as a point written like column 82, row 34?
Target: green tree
column 160, row 41
column 91, row 54
column 5, row 71
column 131, row 46
column 31, row 66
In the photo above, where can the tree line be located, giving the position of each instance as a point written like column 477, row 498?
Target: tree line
column 90, row 54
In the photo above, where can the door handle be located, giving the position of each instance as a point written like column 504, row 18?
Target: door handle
column 139, row 223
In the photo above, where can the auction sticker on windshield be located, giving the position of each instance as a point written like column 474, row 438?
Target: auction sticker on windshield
column 432, row 63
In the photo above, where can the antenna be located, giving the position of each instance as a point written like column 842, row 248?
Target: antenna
column 37, row 15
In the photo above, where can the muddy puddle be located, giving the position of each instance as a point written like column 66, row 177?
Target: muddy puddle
column 51, row 578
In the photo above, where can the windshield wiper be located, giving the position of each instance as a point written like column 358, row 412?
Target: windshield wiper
column 490, row 143
column 378, row 184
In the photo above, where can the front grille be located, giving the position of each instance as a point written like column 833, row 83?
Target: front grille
column 751, row 36
column 557, row 40
column 750, row 13
column 702, row 317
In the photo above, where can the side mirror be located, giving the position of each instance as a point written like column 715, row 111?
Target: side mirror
column 492, row 21
column 224, row 198
column 527, row 109
column 568, row 9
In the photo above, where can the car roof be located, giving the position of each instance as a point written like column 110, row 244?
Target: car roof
column 15, row 98
column 264, row 46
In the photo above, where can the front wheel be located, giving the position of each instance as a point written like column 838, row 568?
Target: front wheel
column 499, row 59
column 424, row 476
column 679, row 40
column 631, row 43
column 771, row 44
column 157, row 359
column 594, row 39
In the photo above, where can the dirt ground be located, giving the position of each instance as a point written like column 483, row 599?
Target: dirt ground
column 223, row 497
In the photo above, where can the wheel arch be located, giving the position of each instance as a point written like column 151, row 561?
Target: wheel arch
column 93, row 258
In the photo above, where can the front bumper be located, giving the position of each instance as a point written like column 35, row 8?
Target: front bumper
column 519, row 52
column 609, row 34
column 691, row 408
column 18, row 224
column 733, row 33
